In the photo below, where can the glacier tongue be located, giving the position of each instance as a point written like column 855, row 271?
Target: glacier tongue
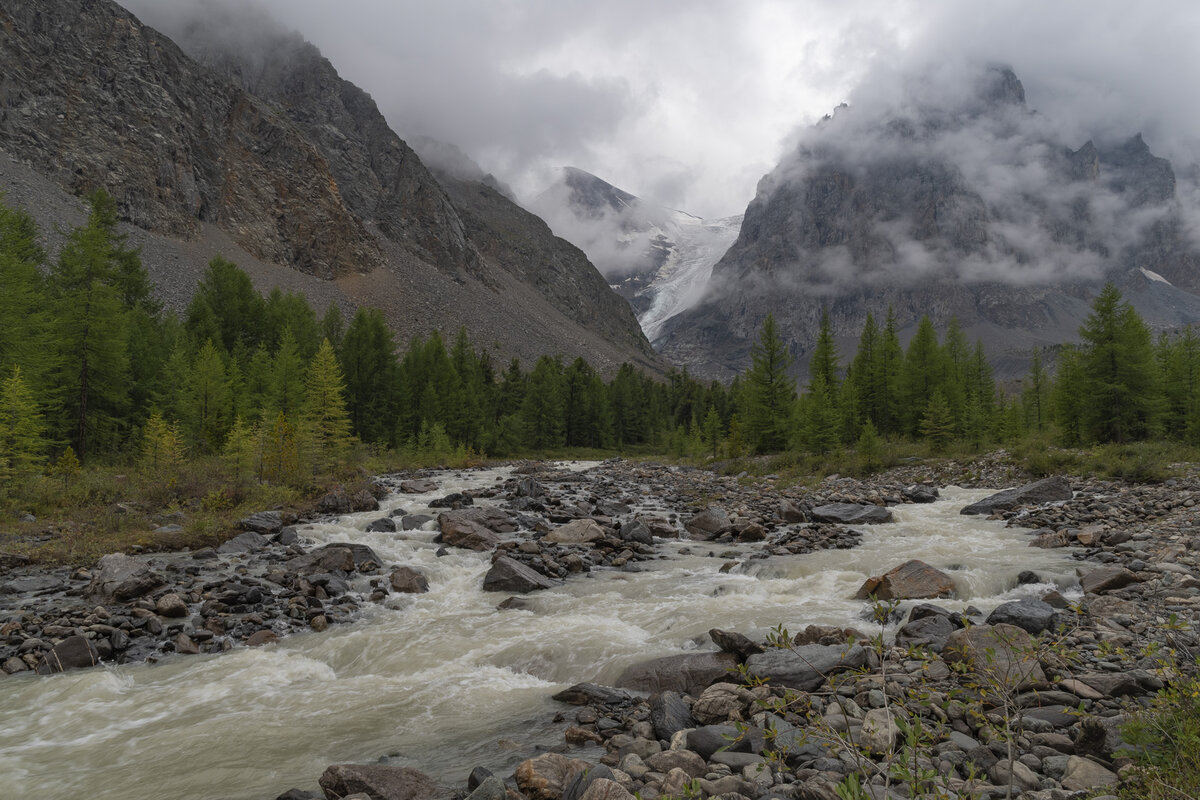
column 681, row 281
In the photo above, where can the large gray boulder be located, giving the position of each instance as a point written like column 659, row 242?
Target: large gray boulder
column 509, row 575
column 912, row 580
column 577, row 531
column 805, row 667
column 1047, row 490
column 1002, row 654
column 688, row 673
column 1030, row 615
column 1106, row 579
column 465, row 533
column 120, row 578
column 709, row 523
column 73, row 652
column 669, row 714
column 379, row 782
column 337, row 557
column 851, row 514
column 262, row 522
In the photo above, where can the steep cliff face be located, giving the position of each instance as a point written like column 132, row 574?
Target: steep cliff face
column 967, row 208
column 95, row 98
column 275, row 154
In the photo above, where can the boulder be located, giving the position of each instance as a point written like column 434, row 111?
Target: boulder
column 408, row 581
column 378, row 781
column 733, row 642
column 411, row 522
column 382, row 525
column 73, row 652
column 669, row 714
column 605, row 789
column 708, row 524
column 508, row 575
column 851, row 514
column 454, row 500
column 930, row 632
column 1001, row 653
column 119, row 578
column 636, row 531
column 708, row 739
column 418, row 486
column 805, row 667
column 1083, row 774
column 686, row 760
column 465, row 533
column 263, row 522
column 583, row 694
column 32, row 584
column 1047, row 490
column 720, row 703
column 580, row 783
column 340, row 557
column 363, row 500
column 689, row 673
column 789, row 511
column 1030, row 615
column 912, row 580
column 919, row 494
column 547, row 776
column 171, row 605
column 244, row 542
column 579, row 531
column 261, row 637
column 495, row 519
column 335, row 501
column 1106, row 579
column 879, row 731
column 490, row 788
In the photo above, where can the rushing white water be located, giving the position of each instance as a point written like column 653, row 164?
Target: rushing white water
column 443, row 679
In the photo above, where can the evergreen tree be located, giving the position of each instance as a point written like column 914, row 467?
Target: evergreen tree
column 22, row 445
column 922, row 374
column 1066, row 396
column 332, row 327
column 23, row 301
column 1121, row 400
column 370, row 369
column 543, row 410
column 241, row 453
column 287, row 378
column 823, row 366
column 937, row 423
column 281, row 454
column 162, row 446
column 711, row 430
column 326, row 421
column 770, row 393
column 226, row 308
column 291, row 312
column 90, row 376
column 869, row 448
column 1035, row 396
column 206, row 406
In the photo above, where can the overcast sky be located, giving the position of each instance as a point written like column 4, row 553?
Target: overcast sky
column 690, row 102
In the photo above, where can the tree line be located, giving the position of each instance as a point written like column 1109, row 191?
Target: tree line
column 92, row 368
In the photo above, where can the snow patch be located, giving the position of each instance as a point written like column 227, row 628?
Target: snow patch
column 1154, row 276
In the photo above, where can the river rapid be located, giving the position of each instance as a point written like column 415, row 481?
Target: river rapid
column 444, row 681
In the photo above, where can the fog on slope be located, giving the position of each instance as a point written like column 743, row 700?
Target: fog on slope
column 947, row 174
column 657, row 258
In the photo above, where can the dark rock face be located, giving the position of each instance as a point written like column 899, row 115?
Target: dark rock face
column 669, row 714
column 1038, row 493
column 296, row 165
column 877, row 209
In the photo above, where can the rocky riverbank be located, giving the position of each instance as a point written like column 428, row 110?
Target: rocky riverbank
column 804, row 716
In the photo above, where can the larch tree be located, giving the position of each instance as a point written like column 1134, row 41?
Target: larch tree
column 770, row 392
column 327, row 425
column 22, row 446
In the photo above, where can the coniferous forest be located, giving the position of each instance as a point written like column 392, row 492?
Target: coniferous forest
column 94, row 371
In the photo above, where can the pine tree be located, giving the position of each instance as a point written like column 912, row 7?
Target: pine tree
column 937, row 423
column 90, row 377
column 1035, row 396
column 1121, row 400
column 870, row 448
column 332, row 327
column 162, row 446
column 711, row 430
column 326, row 421
column 226, row 308
column 371, row 373
column 66, row 467
column 207, row 401
column 22, row 445
column 770, row 393
column 543, row 411
column 241, row 455
column 287, row 378
column 23, row 300
column 922, row 374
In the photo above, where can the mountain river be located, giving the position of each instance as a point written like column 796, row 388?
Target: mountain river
column 444, row 681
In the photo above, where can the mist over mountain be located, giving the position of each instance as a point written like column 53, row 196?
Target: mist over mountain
column 943, row 193
column 246, row 142
column 657, row 258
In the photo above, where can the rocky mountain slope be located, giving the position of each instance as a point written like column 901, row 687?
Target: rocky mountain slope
column 964, row 205
column 657, row 258
column 293, row 166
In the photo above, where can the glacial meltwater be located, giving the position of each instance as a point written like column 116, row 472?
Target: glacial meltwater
column 444, row 681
